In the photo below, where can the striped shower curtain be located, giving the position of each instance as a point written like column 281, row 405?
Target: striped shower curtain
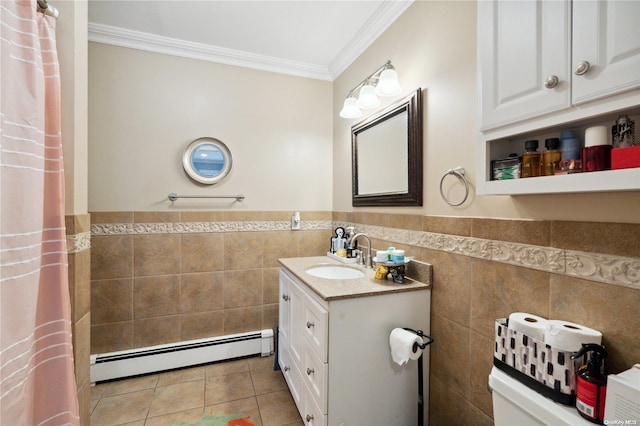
column 37, row 385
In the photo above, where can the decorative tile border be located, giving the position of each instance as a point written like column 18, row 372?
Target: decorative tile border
column 200, row 227
column 609, row 269
column 78, row 242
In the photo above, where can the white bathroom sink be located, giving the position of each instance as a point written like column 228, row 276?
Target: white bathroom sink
column 334, row 272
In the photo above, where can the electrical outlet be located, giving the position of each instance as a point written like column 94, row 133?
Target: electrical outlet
column 295, row 221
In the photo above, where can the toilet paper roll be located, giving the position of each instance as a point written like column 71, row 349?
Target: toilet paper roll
column 531, row 325
column 567, row 336
column 596, row 135
column 401, row 342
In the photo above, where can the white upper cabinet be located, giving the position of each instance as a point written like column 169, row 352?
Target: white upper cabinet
column 606, row 36
column 524, row 54
column 537, row 57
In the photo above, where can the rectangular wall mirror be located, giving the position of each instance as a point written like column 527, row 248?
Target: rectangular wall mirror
column 386, row 153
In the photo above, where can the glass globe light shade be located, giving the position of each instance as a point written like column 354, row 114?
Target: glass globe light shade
column 350, row 108
column 368, row 98
column 388, row 84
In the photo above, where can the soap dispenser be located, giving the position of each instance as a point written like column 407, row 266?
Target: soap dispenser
column 591, row 384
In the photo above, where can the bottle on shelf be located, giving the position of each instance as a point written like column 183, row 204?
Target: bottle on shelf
column 551, row 157
column 530, row 159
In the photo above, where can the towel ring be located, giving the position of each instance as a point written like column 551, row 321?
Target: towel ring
column 459, row 172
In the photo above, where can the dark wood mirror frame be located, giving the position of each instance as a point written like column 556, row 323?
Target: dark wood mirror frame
column 412, row 107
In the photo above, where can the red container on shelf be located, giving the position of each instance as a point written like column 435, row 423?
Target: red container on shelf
column 625, row 158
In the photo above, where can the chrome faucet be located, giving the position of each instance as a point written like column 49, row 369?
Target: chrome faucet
column 366, row 262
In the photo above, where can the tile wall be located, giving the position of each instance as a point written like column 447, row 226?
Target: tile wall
column 484, row 269
column 162, row 277
column 79, row 255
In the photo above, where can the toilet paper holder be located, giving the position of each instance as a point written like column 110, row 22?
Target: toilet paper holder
column 417, row 345
column 421, row 334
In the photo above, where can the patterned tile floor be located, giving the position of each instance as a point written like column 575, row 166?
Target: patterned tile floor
column 246, row 386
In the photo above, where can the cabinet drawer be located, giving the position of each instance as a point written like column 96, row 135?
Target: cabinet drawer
column 312, row 415
column 316, row 327
column 291, row 374
column 316, row 377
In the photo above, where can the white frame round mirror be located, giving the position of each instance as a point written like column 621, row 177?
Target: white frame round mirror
column 207, row 160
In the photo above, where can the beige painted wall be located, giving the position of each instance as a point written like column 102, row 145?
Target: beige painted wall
column 433, row 46
column 145, row 108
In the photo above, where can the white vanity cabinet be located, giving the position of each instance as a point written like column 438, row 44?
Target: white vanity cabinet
column 537, row 56
column 335, row 355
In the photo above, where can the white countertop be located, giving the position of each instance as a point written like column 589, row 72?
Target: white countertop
column 332, row 289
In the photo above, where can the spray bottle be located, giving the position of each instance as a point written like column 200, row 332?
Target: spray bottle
column 591, row 386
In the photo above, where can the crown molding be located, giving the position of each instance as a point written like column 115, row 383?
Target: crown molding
column 106, row 34
column 386, row 14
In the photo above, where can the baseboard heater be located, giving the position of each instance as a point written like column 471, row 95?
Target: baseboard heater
column 115, row 365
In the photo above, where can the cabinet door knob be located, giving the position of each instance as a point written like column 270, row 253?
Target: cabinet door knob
column 310, row 371
column 286, row 368
column 551, row 82
column 309, row 418
column 285, row 297
column 310, row 324
column 582, row 68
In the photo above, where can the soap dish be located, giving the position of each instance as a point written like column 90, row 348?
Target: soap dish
column 342, row 259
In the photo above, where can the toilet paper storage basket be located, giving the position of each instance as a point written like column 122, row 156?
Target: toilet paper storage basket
column 547, row 370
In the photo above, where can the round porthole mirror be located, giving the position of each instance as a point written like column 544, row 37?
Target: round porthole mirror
column 207, row 160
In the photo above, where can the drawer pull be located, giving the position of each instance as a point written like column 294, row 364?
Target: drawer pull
column 286, row 368
column 310, row 324
column 285, row 297
column 310, row 371
column 309, row 418
column 582, row 68
column 551, row 82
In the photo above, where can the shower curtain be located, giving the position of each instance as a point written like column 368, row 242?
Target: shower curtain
column 37, row 384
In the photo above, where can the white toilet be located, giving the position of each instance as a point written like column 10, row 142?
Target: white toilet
column 516, row 404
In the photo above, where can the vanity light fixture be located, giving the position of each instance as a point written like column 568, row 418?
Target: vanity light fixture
column 383, row 82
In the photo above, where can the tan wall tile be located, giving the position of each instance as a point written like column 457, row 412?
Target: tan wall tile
column 452, row 278
column 82, row 348
column 156, row 296
column 156, row 217
column 280, row 216
column 111, row 217
column 450, row 357
column 314, row 243
column 339, row 217
column 201, row 292
column 242, row 288
column 201, row 252
column 202, row 325
column 270, row 285
column 279, row 245
column 243, row 250
column 517, row 231
column 240, row 320
column 612, row 310
column 80, row 280
column 205, row 216
column 111, row 300
column 481, row 364
column 84, row 402
column 270, row 316
column 242, row 216
column 111, row 256
column 446, row 405
column 447, row 225
column 316, row 215
column 111, row 337
column 156, row 254
column 156, row 331
column 499, row 289
column 619, row 239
